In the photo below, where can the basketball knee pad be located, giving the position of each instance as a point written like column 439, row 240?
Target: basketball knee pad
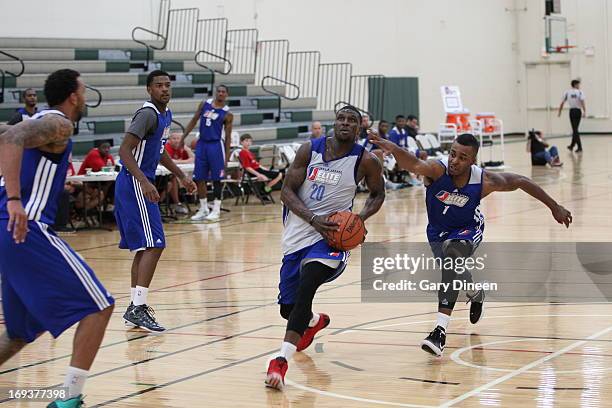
column 285, row 310
column 457, row 248
column 217, row 188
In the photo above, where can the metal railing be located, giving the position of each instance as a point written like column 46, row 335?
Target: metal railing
column 271, row 59
column 241, row 48
column 368, row 91
column 99, row 97
column 278, row 95
column 333, row 84
column 212, row 70
column 211, row 34
column 302, row 68
column 182, row 29
column 162, row 17
column 149, row 47
column 3, row 73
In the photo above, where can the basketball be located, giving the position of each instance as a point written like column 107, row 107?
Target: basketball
column 351, row 232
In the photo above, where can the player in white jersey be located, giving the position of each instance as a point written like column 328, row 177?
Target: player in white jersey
column 321, row 181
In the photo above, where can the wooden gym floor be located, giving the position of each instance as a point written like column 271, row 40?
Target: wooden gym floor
column 216, row 287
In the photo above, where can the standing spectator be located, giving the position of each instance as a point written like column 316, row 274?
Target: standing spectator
column 30, row 99
column 179, row 153
column 412, row 126
column 97, row 158
column 316, row 130
column 252, row 166
column 575, row 98
column 398, row 133
column 540, row 151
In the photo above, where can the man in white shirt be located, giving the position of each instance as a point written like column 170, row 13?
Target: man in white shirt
column 575, row 98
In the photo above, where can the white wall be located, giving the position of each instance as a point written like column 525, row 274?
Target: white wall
column 480, row 45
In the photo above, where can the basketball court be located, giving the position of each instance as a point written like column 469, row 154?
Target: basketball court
column 216, row 289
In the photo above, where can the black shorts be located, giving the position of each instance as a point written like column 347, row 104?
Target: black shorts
column 271, row 174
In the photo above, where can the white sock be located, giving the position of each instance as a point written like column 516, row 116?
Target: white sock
column 217, row 206
column 132, row 293
column 314, row 320
column 203, row 203
column 75, row 381
column 443, row 320
column 140, row 297
column 287, row 350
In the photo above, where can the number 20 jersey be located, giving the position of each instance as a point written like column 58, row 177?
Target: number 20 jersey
column 329, row 187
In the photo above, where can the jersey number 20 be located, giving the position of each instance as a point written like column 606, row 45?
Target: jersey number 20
column 317, row 192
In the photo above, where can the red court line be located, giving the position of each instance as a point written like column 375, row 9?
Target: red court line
column 475, row 348
column 203, row 279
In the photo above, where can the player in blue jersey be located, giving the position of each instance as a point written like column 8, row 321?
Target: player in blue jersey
column 455, row 187
column 322, row 180
column 136, row 197
column 29, row 109
column 46, row 285
column 212, row 150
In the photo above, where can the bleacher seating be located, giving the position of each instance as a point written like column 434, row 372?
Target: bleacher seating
column 115, row 68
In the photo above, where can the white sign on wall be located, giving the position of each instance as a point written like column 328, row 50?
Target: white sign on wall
column 451, row 98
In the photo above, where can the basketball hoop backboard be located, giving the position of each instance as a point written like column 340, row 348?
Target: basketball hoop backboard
column 556, row 34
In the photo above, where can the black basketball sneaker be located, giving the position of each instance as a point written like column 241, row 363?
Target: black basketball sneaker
column 142, row 316
column 434, row 343
column 477, row 301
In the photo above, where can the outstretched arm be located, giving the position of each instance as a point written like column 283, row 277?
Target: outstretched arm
column 372, row 171
column 51, row 134
column 193, row 121
column 407, row 160
column 510, row 182
column 289, row 193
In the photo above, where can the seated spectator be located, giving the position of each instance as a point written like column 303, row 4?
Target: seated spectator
column 250, row 165
column 97, row 158
column 179, row 153
column 316, row 130
column 365, row 125
column 398, row 133
column 412, row 126
column 541, row 153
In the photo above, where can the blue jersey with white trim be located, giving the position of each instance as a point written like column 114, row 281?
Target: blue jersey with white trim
column 329, row 186
column 211, row 122
column 148, row 152
column 450, row 208
column 25, row 115
column 42, row 179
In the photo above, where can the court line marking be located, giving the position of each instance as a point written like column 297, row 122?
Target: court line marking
column 352, row 398
column 523, row 369
column 456, row 357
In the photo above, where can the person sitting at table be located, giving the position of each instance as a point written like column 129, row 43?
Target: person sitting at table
column 97, row 158
column 252, row 166
column 180, row 154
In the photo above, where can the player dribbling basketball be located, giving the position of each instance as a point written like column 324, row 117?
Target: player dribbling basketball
column 322, row 180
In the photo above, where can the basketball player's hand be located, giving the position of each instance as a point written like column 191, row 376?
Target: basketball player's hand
column 18, row 221
column 384, row 144
column 562, row 215
column 189, row 185
column 321, row 224
column 149, row 191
